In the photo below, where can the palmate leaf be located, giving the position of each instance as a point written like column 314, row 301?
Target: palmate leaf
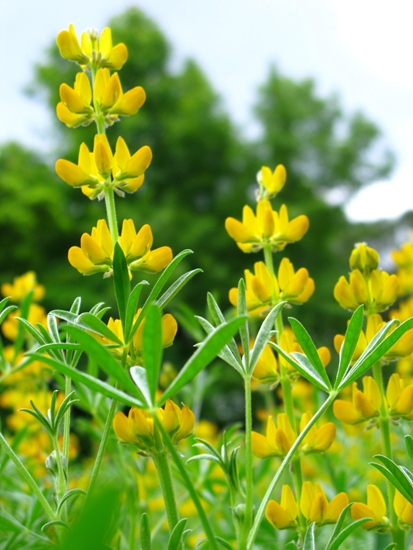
column 309, row 350
column 121, row 281
column 204, row 354
column 350, row 342
column 378, row 346
column 301, row 363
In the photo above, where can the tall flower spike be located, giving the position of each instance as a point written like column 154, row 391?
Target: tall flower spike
column 266, row 227
column 91, row 50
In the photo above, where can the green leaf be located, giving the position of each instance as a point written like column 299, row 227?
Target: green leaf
column 24, row 314
column 338, row 526
column 397, row 475
column 391, row 546
column 309, row 350
column 345, row 533
column 6, row 311
column 139, row 376
column 90, row 381
column 409, row 446
column 350, row 342
column 132, row 307
column 56, row 522
column 244, row 328
column 145, row 533
column 301, row 363
column 309, row 539
column 75, row 307
column 225, row 354
column 152, row 347
column 175, row 538
column 160, row 283
column 173, row 290
column 222, row 542
column 218, row 318
column 73, row 493
column 10, row 523
column 375, row 350
column 93, row 323
column 102, row 357
column 121, row 281
column 263, row 335
column 206, row 352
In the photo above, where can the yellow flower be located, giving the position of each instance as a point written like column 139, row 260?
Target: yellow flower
column 403, row 509
column 92, row 51
column 365, row 405
column 404, row 311
column 404, row 256
column 95, row 254
column 101, row 169
column 272, row 182
column 75, row 107
column 399, row 397
column 111, row 99
column 375, row 509
column 277, row 441
column 10, row 326
column 317, row 439
column 315, row 506
column 377, row 292
column 364, row 258
column 267, row 227
column 169, row 330
column 138, row 427
column 137, row 249
column 283, row 515
column 264, row 290
column 96, row 250
column 21, row 286
column 266, row 368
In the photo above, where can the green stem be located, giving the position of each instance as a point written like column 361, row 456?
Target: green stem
column 66, row 425
column 261, row 510
column 101, row 450
column 27, row 477
column 60, row 479
column 249, row 475
column 111, row 212
column 397, row 533
column 165, row 479
column 189, row 485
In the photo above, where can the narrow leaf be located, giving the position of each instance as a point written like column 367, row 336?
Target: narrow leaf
column 97, row 325
column 225, row 354
column 121, row 281
column 264, row 335
column 244, row 328
column 338, row 526
column 145, row 533
column 73, row 493
column 152, row 347
column 350, row 342
column 5, row 312
column 218, row 318
column 309, row 540
column 173, row 290
column 309, row 349
column 90, row 381
column 206, row 352
column 345, row 533
column 132, row 307
column 176, row 536
column 140, row 378
column 102, row 357
column 409, row 446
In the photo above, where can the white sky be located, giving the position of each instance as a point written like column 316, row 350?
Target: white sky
column 361, row 49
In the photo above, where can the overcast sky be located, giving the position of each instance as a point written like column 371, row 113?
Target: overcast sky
column 360, row 49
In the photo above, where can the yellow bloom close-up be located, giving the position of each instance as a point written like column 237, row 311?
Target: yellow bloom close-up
column 271, row 182
column 283, row 515
column 267, row 227
column 315, row 506
column 92, row 50
column 374, row 509
column 365, row 405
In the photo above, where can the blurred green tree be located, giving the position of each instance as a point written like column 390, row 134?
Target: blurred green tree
column 203, row 171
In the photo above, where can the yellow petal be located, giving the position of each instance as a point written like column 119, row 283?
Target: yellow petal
column 297, row 228
column 335, row 507
column 346, row 412
column 112, row 93
column 138, row 163
column 325, row 437
column 169, row 329
column 69, row 46
column 70, row 119
column 122, row 428
column 170, row 417
column 260, row 446
column 72, row 174
column 79, row 261
column 155, row 261
column 277, row 516
column 130, row 103
column 375, row 501
column 142, row 242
